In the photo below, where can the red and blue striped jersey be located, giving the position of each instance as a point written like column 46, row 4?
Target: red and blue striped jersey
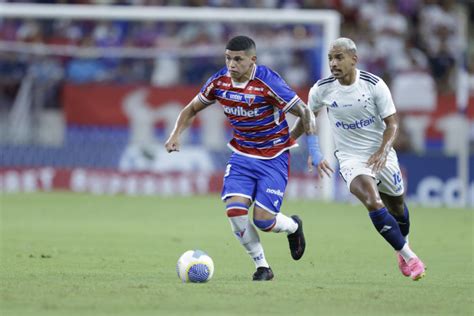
column 256, row 110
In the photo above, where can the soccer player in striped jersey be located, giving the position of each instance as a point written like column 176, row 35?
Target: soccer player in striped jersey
column 364, row 123
column 255, row 100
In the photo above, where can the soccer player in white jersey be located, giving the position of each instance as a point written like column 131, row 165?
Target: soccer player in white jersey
column 364, row 123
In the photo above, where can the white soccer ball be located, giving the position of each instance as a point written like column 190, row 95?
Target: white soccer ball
column 195, row 266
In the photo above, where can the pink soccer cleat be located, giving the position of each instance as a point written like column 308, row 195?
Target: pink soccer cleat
column 404, row 268
column 417, row 268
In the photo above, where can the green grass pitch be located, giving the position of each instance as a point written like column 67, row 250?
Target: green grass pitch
column 66, row 254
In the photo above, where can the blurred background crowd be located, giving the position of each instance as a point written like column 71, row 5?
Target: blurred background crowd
column 393, row 36
column 419, row 47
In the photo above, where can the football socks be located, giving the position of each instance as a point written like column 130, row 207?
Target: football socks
column 387, row 226
column 284, row 224
column 246, row 232
column 404, row 221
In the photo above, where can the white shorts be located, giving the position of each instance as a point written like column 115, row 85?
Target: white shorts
column 389, row 180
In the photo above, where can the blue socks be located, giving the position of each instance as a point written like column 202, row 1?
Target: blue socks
column 404, row 221
column 388, row 227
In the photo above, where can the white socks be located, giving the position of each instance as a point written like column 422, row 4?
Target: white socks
column 407, row 253
column 284, row 224
column 248, row 237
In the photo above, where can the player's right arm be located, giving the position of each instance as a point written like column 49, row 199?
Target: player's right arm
column 184, row 120
column 316, row 158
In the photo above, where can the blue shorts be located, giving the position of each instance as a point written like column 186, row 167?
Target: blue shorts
column 260, row 180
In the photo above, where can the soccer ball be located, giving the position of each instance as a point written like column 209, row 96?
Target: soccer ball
column 195, row 266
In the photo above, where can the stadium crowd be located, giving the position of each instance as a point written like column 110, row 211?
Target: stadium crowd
column 417, row 40
column 393, row 36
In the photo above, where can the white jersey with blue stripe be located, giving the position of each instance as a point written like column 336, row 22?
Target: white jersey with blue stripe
column 356, row 112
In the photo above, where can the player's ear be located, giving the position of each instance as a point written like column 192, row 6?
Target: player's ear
column 254, row 58
column 354, row 59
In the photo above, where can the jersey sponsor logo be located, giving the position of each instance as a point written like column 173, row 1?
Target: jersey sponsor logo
column 221, row 83
column 240, row 111
column 356, row 124
column 239, row 97
column 254, row 88
column 208, row 90
column 233, row 96
column 276, row 192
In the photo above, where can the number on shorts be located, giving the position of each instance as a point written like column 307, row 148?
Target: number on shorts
column 397, row 178
column 227, row 170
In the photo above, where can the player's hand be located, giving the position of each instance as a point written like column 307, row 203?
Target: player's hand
column 323, row 167
column 377, row 161
column 172, row 144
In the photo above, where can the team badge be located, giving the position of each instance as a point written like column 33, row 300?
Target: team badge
column 249, row 98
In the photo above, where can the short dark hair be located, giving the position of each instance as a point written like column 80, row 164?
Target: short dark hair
column 241, row 42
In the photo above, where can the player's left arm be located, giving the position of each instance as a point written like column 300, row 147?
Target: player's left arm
column 379, row 158
column 306, row 122
column 386, row 108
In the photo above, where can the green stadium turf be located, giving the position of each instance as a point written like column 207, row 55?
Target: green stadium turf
column 66, row 254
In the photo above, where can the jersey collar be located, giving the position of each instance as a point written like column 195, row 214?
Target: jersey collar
column 352, row 85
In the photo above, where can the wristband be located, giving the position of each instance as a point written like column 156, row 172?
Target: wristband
column 313, row 149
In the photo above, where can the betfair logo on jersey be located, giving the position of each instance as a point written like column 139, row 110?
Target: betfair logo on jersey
column 357, row 124
column 240, row 111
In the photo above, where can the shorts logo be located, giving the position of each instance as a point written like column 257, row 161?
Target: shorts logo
column 276, row 192
column 356, row 124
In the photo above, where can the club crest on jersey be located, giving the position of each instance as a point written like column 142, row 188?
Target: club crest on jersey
column 249, row 98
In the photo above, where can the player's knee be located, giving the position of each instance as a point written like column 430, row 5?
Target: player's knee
column 265, row 225
column 397, row 210
column 373, row 203
column 235, row 209
column 395, row 205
